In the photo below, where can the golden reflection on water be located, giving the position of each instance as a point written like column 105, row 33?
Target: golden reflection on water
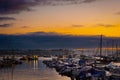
column 33, row 70
column 35, row 63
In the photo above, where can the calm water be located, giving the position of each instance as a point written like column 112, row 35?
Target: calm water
column 33, row 70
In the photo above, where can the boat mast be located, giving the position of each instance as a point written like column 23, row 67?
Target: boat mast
column 116, row 50
column 112, row 47
column 101, row 45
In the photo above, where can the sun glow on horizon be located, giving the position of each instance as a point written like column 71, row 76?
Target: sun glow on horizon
column 90, row 18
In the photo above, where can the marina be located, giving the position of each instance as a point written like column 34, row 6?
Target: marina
column 60, row 69
column 59, row 39
column 70, row 65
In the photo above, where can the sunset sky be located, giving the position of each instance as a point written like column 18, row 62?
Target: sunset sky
column 74, row 17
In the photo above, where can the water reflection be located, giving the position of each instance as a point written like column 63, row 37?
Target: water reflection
column 32, row 70
column 35, row 63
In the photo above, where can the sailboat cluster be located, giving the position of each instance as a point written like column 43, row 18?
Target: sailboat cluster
column 85, row 68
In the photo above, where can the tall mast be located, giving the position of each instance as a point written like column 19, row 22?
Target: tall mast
column 117, row 50
column 101, row 45
column 112, row 46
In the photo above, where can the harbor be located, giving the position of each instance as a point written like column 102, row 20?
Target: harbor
column 76, row 64
column 59, row 39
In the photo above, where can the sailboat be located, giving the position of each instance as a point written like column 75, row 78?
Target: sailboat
column 100, row 59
